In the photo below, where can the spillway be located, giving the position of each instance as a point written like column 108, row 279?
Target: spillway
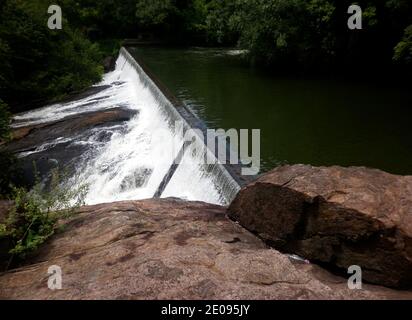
column 136, row 159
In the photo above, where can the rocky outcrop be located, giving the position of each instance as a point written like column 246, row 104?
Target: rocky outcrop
column 336, row 216
column 170, row 249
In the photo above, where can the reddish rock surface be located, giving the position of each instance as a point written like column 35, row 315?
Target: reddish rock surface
column 171, row 249
column 334, row 215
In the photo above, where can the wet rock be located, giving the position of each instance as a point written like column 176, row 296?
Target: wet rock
column 170, row 249
column 138, row 179
column 28, row 137
column 109, row 64
column 336, row 216
column 54, row 144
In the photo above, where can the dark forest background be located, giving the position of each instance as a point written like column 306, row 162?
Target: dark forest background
column 39, row 64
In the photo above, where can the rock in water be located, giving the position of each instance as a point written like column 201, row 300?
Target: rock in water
column 109, row 63
column 336, row 216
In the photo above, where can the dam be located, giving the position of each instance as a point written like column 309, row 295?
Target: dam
column 129, row 160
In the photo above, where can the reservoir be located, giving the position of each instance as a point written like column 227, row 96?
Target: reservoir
column 314, row 121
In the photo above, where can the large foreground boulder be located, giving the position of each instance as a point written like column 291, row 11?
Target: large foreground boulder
column 170, row 249
column 336, row 216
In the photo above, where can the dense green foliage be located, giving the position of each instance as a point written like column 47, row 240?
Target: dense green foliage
column 37, row 63
column 33, row 217
column 292, row 33
column 314, row 33
column 101, row 19
column 403, row 50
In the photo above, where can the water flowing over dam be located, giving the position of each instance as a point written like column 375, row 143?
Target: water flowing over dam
column 133, row 159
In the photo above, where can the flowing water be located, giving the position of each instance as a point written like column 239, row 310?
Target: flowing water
column 133, row 158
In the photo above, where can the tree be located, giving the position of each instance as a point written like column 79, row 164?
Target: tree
column 39, row 63
column 403, row 50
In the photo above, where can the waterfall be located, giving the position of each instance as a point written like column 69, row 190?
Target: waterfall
column 134, row 160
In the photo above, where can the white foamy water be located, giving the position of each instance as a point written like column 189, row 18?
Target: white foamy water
column 136, row 155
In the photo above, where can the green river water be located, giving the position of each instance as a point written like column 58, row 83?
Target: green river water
column 302, row 120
